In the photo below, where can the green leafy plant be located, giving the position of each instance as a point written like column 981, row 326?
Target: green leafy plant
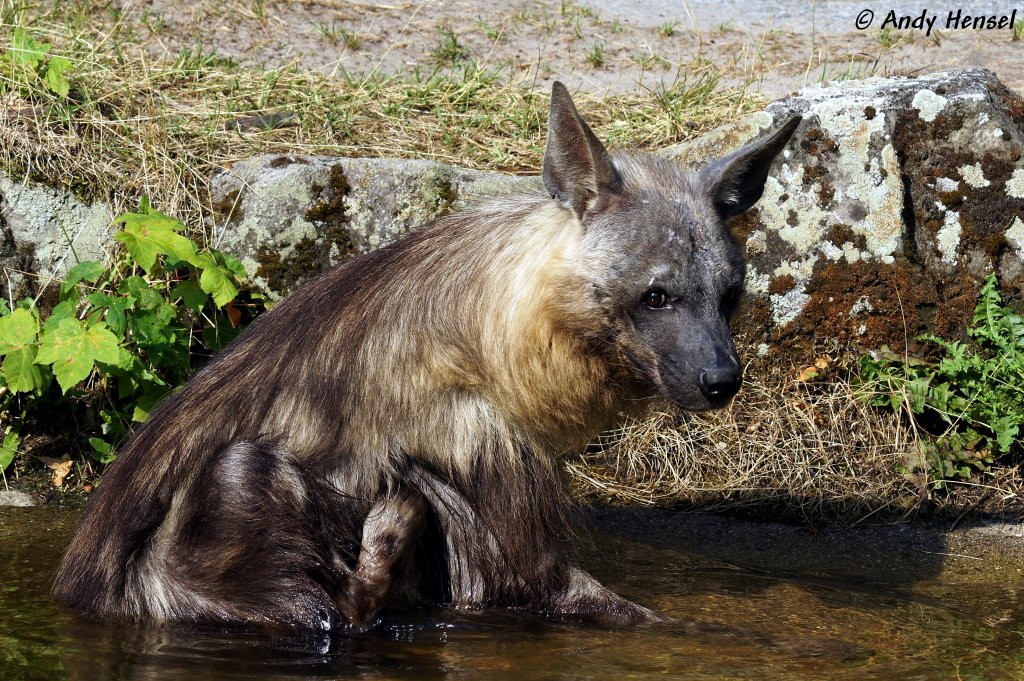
column 972, row 397
column 122, row 335
column 27, row 62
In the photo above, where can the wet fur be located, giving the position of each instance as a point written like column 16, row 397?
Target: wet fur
column 389, row 432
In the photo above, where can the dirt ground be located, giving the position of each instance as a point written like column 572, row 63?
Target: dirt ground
column 598, row 45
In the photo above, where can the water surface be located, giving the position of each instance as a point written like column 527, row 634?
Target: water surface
column 731, row 622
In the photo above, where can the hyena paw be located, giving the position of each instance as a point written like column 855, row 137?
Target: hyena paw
column 588, row 599
column 390, row 532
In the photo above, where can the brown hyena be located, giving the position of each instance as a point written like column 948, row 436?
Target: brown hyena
column 389, row 432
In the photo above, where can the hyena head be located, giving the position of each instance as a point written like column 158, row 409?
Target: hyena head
column 662, row 275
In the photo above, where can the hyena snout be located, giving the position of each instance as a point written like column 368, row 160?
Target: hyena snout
column 713, row 373
column 720, row 382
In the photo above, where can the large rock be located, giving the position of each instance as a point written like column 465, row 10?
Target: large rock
column 289, row 217
column 894, row 200
column 44, row 231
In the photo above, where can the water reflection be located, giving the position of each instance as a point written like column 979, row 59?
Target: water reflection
column 731, row 621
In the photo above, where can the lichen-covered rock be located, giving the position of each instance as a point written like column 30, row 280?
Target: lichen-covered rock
column 894, row 200
column 44, row 231
column 289, row 217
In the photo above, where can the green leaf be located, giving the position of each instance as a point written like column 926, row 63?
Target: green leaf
column 1006, row 433
column 72, row 349
column 55, row 78
column 117, row 314
column 21, row 372
column 191, row 294
column 133, row 286
column 87, row 270
column 204, row 261
column 65, row 310
column 219, row 282
column 148, row 299
column 17, row 330
column 102, row 450
column 27, row 50
column 234, row 264
column 918, row 390
column 9, row 449
column 140, row 246
column 146, row 403
column 152, row 325
column 151, row 233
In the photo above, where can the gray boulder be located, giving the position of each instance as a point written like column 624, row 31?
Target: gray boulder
column 894, row 200
column 44, row 231
column 289, row 217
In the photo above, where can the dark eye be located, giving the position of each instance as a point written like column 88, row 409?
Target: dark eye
column 655, row 298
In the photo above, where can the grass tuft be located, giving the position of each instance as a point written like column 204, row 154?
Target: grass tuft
column 449, row 51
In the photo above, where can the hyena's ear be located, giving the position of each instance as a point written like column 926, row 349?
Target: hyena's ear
column 736, row 182
column 577, row 168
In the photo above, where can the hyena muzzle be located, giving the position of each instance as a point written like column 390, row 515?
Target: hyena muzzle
column 389, row 433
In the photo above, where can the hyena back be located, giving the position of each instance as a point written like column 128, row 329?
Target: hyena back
column 389, row 432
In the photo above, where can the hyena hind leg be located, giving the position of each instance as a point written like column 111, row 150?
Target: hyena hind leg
column 240, row 547
column 479, row 572
column 390, row 533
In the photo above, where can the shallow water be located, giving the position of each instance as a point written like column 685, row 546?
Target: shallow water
column 731, row 623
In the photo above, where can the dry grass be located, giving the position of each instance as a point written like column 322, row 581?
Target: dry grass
column 133, row 124
column 812, row 449
column 806, row 450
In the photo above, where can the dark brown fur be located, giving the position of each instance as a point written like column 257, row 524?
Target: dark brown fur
column 389, row 432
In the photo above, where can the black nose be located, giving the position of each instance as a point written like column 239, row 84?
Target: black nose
column 720, row 383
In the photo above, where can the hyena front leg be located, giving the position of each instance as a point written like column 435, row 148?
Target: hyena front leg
column 586, row 597
column 390, row 532
column 477, row 577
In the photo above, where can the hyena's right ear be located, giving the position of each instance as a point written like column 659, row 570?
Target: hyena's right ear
column 735, row 182
column 577, row 168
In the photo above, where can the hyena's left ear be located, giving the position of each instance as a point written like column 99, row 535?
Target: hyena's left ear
column 577, row 168
column 736, row 181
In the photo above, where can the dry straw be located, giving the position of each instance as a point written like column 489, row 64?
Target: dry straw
column 806, row 449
